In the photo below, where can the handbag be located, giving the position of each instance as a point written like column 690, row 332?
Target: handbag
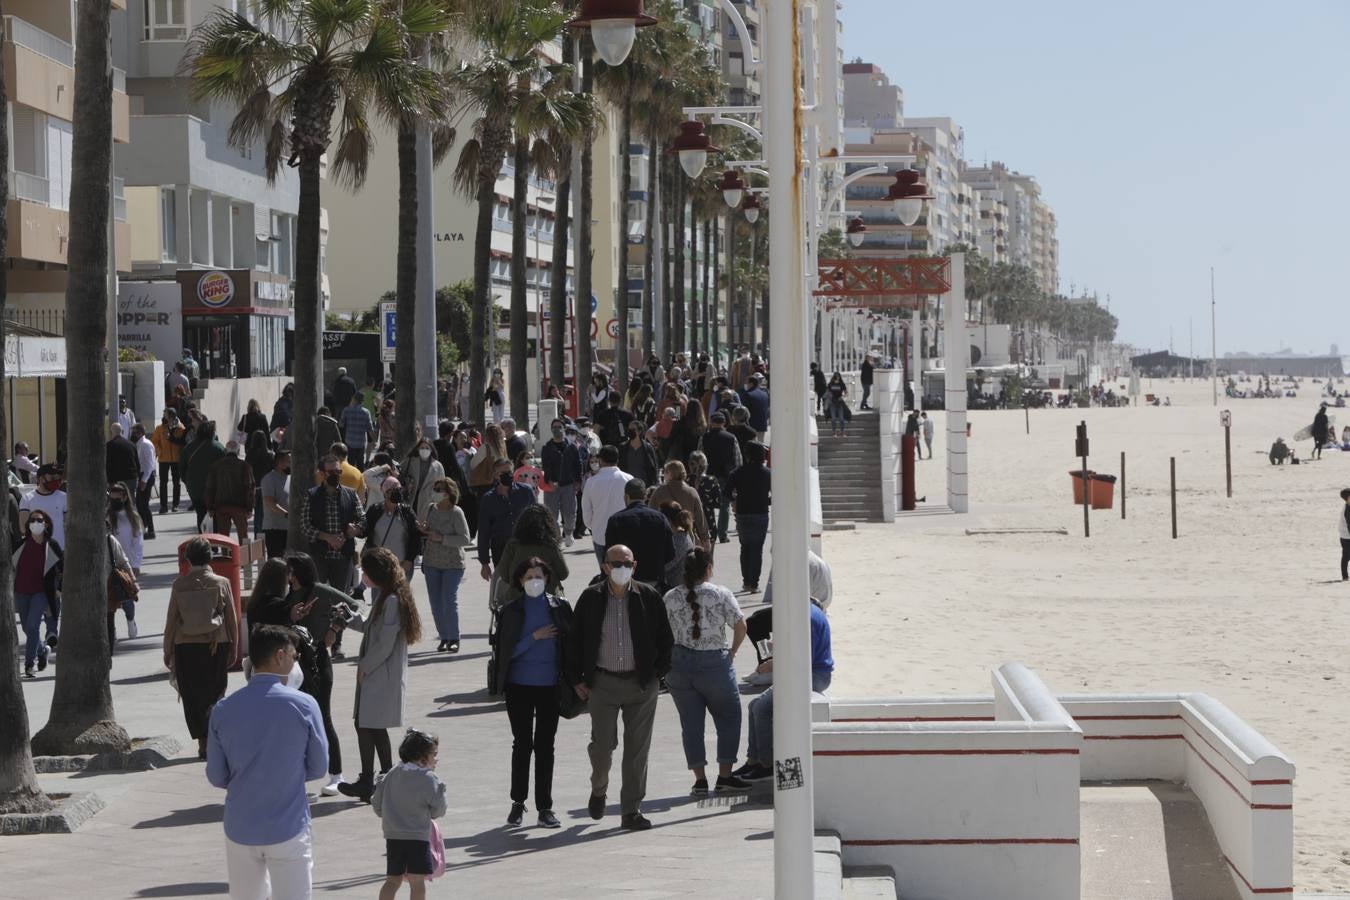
column 122, row 586
column 492, row 657
column 437, row 852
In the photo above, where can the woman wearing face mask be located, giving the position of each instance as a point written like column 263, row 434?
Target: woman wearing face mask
column 393, row 526
column 421, row 470
column 531, row 634
column 446, row 533
column 124, row 523
column 535, row 536
column 37, row 568
column 322, row 611
column 200, row 632
column 382, row 667
column 637, row 456
column 702, row 674
column 124, row 531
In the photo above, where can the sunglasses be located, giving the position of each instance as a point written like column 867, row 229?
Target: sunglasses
column 620, row 564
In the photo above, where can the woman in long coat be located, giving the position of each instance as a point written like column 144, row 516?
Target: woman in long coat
column 382, row 666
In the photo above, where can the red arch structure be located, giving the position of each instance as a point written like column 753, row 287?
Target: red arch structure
column 881, row 283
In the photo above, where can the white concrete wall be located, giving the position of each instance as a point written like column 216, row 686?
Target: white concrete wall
column 227, row 398
column 955, row 362
column 888, row 396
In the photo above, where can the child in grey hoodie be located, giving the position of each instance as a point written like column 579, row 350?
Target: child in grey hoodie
column 407, row 798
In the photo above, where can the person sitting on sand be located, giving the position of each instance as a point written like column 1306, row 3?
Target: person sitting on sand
column 1279, row 452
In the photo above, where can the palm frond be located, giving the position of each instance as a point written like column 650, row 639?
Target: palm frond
column 351, row 161
column 442, row 142
column 465, row 178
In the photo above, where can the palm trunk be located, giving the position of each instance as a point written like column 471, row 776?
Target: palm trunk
column 482, row 296
column 693, row 279
column 678, row 276
column 308, row 363
column 81, row 719
column 557, row 292
column 716, row 323
column 520, row 387
column 649, row 242
column 667, row 258
column 405, row 340
column 19, row 791
column 625, row 188
column 582, row 252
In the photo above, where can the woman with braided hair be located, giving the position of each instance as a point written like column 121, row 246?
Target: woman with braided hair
column 702, row 676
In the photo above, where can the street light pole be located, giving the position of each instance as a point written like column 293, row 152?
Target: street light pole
column 794, row 815
column 1213, row 341
column 425, row 360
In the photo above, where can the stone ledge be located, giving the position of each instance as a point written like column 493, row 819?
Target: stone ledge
column 72, row 811
column 145, row 754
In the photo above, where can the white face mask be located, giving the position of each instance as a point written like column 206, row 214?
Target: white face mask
column 437, row 496
column 533, row 587
column 37, row 528
column 424, row 453
column 296, row 677
column 622, row 576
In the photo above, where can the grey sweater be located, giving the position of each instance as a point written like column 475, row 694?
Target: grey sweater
column 407, row 798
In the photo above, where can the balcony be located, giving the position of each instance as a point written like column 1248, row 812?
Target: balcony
column 40, row 73
column 40, row 232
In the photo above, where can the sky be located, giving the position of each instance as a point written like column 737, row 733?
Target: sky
column 1167, row 137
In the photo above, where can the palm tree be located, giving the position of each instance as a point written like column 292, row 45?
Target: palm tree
column 19, row 791
column 81, row 718
column 582, row 251
column 508, row 36
column 288, row 86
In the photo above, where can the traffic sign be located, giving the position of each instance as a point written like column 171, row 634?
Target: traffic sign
column 388, row 330
column 1226, row 419
column 612, row 328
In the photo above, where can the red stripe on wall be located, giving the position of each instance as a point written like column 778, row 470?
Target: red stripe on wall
column 1124, row 718
column 953, row 842
column 1256, row 890
column 1133, row 737
column 1057, row 752
column 918, row 719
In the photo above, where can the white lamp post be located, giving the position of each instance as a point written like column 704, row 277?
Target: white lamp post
column 857, row 232
column 693, row 146
column 613, row 25
column 908, row 194
column 732, row 187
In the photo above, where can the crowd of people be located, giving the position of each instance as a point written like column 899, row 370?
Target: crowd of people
column 654, row 477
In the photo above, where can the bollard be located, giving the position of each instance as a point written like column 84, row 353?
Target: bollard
column 1027, row 410
column 1122, row 484
column 1174, row 497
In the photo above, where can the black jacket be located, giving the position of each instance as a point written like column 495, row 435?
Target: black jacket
column 646, row 532
column 327, row 432
column 612, row 424
column 723, row 452
column 122, row 462
column 640, row 462
column 514, row 444
column 865, row 372
column 562, row 462
column 510, row 619
column 373, row 528
column 343, row 391
column 648, row 625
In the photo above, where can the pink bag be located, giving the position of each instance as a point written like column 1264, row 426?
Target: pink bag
column 437, row 852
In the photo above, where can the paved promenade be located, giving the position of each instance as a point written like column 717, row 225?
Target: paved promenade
column 160, row 835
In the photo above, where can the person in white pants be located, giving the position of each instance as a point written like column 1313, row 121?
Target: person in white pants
column 266, row 740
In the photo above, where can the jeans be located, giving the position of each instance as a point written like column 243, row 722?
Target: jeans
column 31, row 608
column 1345, row 559
column 257, row 511
column 753, row 529
column 443, row 593
column 335, row 571
column 129, row 608
column 563, row 500
column 837, row 415
column 222, row 517
column 143, row 490
column 699, row 681
column 867, row 392
column 167, row 469
column 281, row 871
column 357, row 456
column 533, row 712
column 275, row 541
column 759, row 745
column 724, row 511
column 610, row 697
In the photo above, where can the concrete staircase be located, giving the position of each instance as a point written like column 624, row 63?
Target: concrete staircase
column 850, row 470
column 834, row 882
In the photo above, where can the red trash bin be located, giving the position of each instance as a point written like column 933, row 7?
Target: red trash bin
column 225, row 562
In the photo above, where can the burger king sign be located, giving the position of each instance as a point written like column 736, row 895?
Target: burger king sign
column 215, row 290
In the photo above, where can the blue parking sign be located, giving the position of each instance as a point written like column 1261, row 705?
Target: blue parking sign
column 388, row 330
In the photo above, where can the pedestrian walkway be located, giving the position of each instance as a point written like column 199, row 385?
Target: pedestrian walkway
column 160, row 835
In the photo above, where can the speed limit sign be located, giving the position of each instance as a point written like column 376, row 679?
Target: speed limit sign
column 1225, row 419
column 612, row 328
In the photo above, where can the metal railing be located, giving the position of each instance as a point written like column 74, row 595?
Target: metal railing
column 26, row 34
column 51, row 321
column 30, row 187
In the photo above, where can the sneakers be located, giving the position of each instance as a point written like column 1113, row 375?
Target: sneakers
column 331, row 788
column 759, row 678
column 548, row 820
column 700, row 788
column 568, row 540
column 133, row 630
column 635, row 822
column 753, row 772
column 731, row 783
column 516, row 815
column 42, row 658
column 440, row 648
column 28, row 672
column 596, row 806
column 452, row 647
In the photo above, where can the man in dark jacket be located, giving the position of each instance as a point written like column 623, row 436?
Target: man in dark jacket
column 497, row 513
column 740, row 427
column 756, row 399
column 612, row 421
column 637, row 456
column 327, row 431
column 283, row 409
column 329, row 518
column 121, row 461
column 751, row 491
column 229, row 493
column 646, row 531
column 617, row 652
column 562, row 477
column 344, row 388
column 724, row 457
column 866, row 379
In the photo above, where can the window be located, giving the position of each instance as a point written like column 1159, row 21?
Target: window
column 168, row 225
column 166, row 20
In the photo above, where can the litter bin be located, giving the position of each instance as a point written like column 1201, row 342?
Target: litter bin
column 225, row 562
column 1102, row 489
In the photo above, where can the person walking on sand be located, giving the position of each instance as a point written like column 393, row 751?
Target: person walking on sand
column 409, row 798
column 1321, row 431
column 266, row 741
column 1343, row 524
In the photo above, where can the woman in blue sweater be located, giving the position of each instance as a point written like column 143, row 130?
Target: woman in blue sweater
column 531, row 634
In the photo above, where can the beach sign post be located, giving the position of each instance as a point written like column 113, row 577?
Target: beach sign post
column 1081, row 450
column 1226, row 420
column 1122, row 484
column 1174, row 497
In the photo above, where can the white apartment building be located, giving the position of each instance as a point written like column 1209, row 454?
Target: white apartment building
column 1029, row 237
column 870, row 100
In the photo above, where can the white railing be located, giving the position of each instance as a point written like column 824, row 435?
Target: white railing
column 119, row 200
column 30, row 187
column 26, row 34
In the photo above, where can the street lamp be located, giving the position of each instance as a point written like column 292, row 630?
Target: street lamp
column 613, row 25
column 751, row 207
column 693, row 147
column 908, row 194
column 857, row 231
column 732, row 187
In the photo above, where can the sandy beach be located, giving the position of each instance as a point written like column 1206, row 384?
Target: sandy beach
column 1246, row 605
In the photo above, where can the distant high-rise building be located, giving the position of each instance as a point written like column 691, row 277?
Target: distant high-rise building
column 1029, row 235
column 742, row 85
column 870, row 100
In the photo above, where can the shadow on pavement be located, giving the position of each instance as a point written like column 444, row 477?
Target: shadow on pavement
column 431, row 658
column 185, row 890
column 197, row 815
column 457, row 711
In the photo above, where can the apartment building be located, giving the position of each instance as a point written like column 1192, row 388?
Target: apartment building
column 866, row 197
column 743, row 87
column 39, row 51
column 949, row 212
column 870, row 100
column 201, row 208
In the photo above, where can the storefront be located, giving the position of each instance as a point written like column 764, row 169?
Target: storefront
column 234, row 321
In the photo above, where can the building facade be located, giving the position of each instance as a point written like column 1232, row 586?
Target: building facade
column 870, row 100
column 1026, row 233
